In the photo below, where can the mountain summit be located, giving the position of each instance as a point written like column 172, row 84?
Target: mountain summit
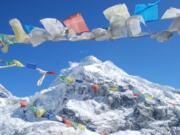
column 93, row 97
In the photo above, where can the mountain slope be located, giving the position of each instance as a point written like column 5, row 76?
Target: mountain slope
column 100, row 96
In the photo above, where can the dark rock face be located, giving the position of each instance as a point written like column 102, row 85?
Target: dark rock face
column 118, row 101
column 149, row 118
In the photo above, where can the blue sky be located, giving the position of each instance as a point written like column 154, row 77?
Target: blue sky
column 142, row 56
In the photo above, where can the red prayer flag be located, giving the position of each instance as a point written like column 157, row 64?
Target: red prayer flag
column 77, row 23
column 136, row 95
column 173, row 104
column 67, row 122
column 103, row 134
column 51, row 73
column 95, row 88
column 23, row 103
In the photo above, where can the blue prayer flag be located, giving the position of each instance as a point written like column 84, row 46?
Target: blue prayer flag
column 28, row 28
column 31, row 66
column 2, row 95
column 79, row 81
column 48, row 115
column 148, row 11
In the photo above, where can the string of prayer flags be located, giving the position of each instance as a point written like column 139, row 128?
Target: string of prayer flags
column 16, row 63
column 74, row 28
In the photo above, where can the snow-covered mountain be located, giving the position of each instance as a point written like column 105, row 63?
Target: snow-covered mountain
column 98, row 96
column 4, row 93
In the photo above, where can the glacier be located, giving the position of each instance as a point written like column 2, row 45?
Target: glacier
column 103, row 113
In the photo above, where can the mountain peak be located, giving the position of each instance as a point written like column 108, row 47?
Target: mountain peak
column 90, row 60
column 94, row 69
